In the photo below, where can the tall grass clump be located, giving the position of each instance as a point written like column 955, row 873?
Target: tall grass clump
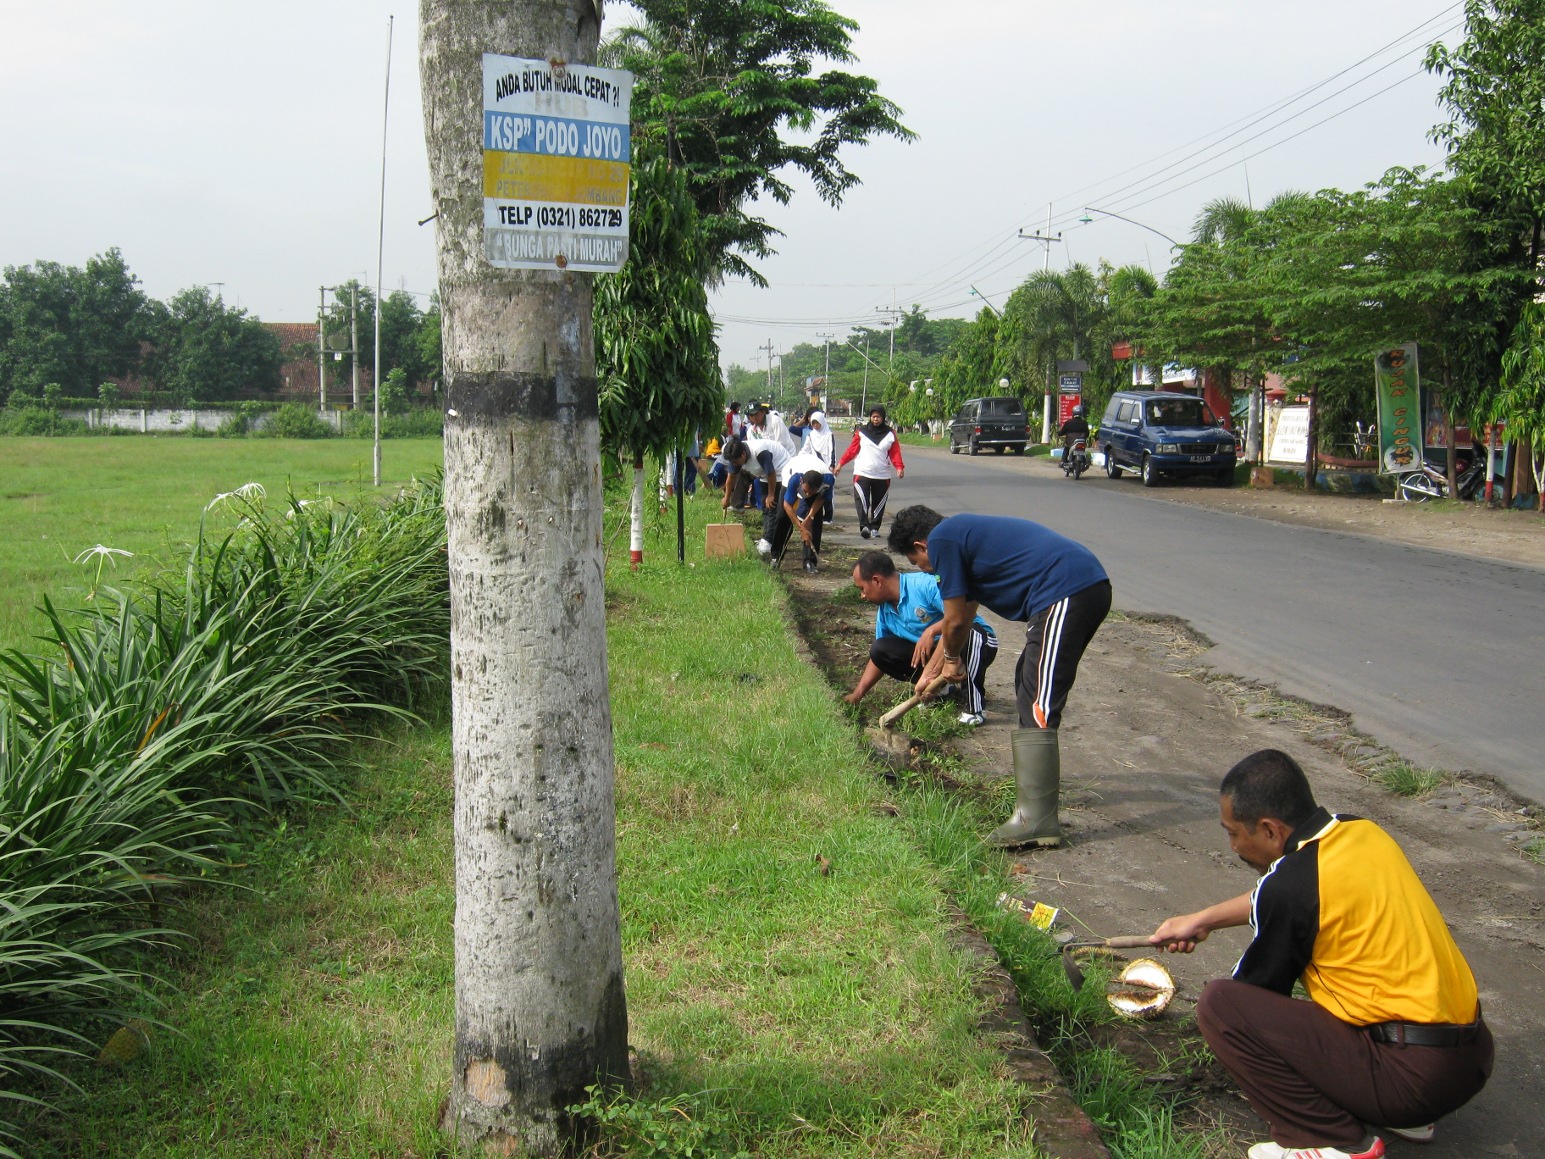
column 165, row 716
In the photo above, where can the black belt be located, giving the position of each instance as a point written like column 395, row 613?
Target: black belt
column 1424, row 1033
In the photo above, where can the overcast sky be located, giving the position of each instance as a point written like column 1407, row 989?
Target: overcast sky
column 240, row 144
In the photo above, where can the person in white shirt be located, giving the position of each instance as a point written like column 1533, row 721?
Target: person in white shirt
column 764, row 460
column 876, row 455
column 767, row 423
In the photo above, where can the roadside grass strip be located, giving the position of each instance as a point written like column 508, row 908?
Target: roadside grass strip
column 793, row 986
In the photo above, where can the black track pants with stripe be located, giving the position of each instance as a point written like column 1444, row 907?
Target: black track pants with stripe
column 1054, row 644
column 869, row 496
column 892, row 655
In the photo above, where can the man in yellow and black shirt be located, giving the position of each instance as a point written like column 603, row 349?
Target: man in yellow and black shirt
column 1392, row 1035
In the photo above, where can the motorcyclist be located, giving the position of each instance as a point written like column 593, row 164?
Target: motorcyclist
column 1076, row 427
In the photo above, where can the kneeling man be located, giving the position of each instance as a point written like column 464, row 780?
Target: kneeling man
column 1391, row 1037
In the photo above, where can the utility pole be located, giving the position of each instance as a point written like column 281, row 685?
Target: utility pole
column 322, row 350
column 769, row 348
column 354, row 338
column 826, row 380
column 540, row 1008
column 1047, row 239
column 892, row 317
column 863, row 401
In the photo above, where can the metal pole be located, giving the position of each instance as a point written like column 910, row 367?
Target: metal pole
column 386, row 104
column 681, row 511
column 321, row 350
column 863, row 404
column 354, row 336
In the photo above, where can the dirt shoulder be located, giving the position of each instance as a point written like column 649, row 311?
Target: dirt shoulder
column 1466, row 528
column 1148, row 733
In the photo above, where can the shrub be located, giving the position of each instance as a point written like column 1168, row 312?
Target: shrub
column 296, row 421
column 224, row 689
column 418, row 423
column 33, row 421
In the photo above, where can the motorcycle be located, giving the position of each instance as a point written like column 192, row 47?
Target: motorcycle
column 1075, row 460
column 1430, row 481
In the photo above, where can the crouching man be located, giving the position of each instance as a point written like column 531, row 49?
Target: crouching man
column 908, row 620
column 1391, row 1037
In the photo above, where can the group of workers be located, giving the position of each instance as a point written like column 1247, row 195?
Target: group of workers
column 1391, row 1036
column 793, row 482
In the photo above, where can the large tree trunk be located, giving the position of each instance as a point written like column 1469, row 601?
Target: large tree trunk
column 540, row 1011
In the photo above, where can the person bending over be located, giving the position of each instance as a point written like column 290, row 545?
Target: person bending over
column 801, row 506
column 1024, row 572
column 1391, row 1036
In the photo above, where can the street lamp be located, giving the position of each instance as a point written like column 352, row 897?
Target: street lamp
column 1086, row 219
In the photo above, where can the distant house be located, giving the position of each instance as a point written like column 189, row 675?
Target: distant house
column 298, row 375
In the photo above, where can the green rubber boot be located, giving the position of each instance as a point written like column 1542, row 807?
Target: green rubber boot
column 1037, row 777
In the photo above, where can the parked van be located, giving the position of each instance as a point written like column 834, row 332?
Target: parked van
column 990, row 422
column 1157, row 433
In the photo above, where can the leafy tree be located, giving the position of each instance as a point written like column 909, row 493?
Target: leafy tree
column 729, row 92
column 206, row 350
column 1495, row 91
column 1054, row 314
column 656, row 357
column 69, row 325
column 1521, row 402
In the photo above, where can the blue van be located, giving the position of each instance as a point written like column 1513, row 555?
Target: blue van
column 1158, row 433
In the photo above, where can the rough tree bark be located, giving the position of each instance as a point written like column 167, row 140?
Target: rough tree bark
column 540, row 1010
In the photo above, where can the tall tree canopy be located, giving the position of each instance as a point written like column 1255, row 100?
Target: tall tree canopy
column 729, row 92
column 70, row 326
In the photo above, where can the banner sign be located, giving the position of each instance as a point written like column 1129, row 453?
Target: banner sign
column 1065, row 404
column 1397, row 387
column 556, row 158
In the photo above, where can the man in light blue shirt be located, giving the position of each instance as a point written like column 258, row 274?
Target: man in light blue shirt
column 909, row 615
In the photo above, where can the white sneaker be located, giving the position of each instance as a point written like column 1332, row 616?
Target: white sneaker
column 1415, row 1134
column 763, row 548
column 971, row 718
column 1370, row 1148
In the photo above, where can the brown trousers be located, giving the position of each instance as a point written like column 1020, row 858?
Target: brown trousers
column 1316, row 1080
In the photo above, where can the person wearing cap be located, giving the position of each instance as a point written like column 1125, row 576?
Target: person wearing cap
column 875, row 454
column 1391, row 1037
column 764, row 460
column 908, row 619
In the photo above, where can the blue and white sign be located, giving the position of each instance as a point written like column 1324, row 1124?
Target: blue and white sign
column 557, row 153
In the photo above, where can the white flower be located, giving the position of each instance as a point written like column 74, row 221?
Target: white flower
column 251, row 491
column 106, row 553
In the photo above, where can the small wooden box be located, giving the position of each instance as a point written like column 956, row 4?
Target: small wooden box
column 724, row 539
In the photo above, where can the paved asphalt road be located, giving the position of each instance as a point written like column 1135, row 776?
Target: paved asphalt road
column 1436, row 655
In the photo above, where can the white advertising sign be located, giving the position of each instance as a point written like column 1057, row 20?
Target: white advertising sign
column 1290, row 436
column 556, row 158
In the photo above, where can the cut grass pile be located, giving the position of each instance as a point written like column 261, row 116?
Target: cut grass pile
column 59, row 497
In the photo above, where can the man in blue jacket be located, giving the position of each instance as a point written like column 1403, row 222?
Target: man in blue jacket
column 1025, row 572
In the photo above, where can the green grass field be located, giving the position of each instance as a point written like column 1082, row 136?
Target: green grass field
column 59, row 497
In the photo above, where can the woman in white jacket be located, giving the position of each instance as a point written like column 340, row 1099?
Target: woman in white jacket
column 876, row 455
